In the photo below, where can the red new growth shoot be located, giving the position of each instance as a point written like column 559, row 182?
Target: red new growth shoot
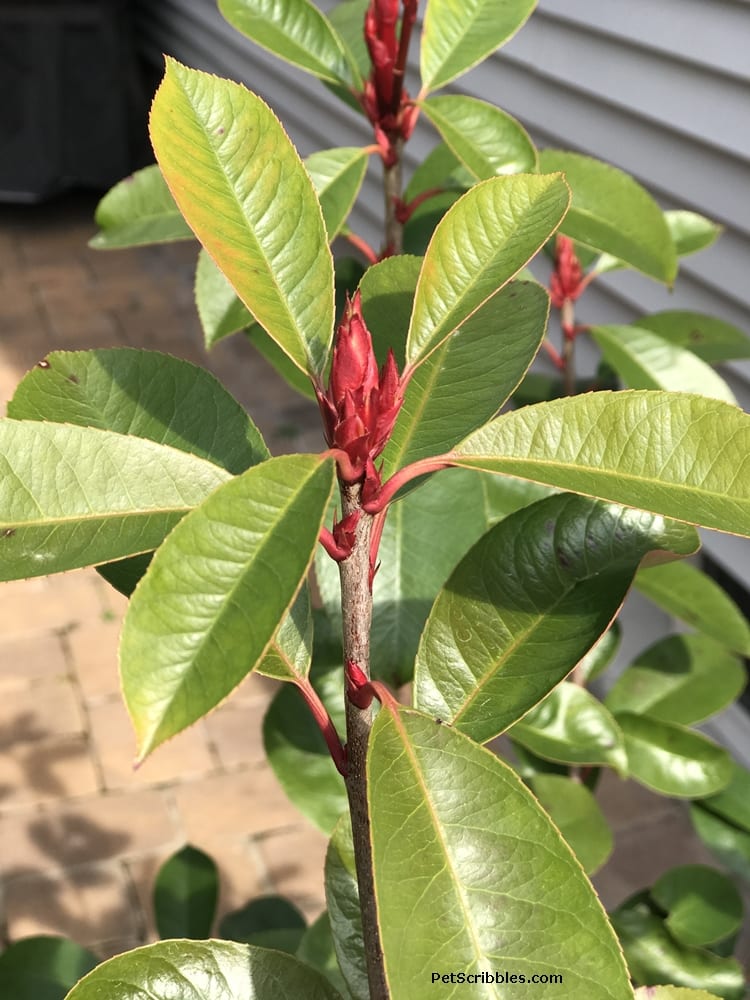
column 358, row 688
column 361, row 404
column 566, row 282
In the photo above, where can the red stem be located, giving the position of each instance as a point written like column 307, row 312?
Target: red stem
column 554, row 354
column 399, row 70
column 403, row 476
column 325, row 724
column 363, row 246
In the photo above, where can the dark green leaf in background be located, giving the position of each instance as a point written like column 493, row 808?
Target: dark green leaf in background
column 711, row 339
column 268, row 921
column 186, row 892
column 137, row 211
column 342, row 897
column 703, row 906
column 577, row 816
column 42, row 968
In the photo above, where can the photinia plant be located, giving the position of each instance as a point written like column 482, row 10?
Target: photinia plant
column 478, row 551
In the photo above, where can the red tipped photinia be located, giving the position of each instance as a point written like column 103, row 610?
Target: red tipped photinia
column 566, row 281
column 361, row 404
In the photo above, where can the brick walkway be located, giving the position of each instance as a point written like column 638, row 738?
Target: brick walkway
column 81, row 833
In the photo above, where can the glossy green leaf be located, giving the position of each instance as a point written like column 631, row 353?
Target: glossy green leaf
column 672, row 993
column 77, row 496
column 293, row 743
column 144, row 394
column 458, row 36
column 203, row 970
column 186, row 892
column 220, row 311
column 486, row 357
column 205, row 613
column 691, row 232
column 728, row 842
column 337, row 176
column 267, row 921
column 387, row 289
column 683, row 679
column 526, row 603
column 233, row 172
column 653, row 955
column 733, row 802
column 677, row 455
column 413, row 568
column 289, row 656
column 342, row 898
column 644, row 360
column 295, row 31
column 673, row 760
column 703, row 906
column 348, row 18
column 576, row 814
column 485, row 139
column 483, row 241
column 441, row 168
column 571, row 726
column 599, row 657
column 491, row 885
column 711, row 339
column 692, row 596
column 611, row 212
column 42, row 968
column 316, row 949
column 138, row 211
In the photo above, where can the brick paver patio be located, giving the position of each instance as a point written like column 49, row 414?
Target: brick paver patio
column 81, row 833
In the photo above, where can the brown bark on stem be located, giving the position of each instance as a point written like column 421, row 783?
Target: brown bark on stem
column 392, row 188
column 356, row 606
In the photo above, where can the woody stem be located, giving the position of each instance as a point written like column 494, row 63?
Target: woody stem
column 392, row 182
column 356, row 607
column 567, row 318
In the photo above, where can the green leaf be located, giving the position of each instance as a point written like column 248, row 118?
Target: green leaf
column 672, row 993
column 733, row 802
column 692, row 596
column 577, row 815
column 220, row 311
column 676, row 455
column 337, row 176
column 294, row 745
column 612, row 213
column 683, row 679
column 599, row 657
column 205, row 613
column 711, row 339
column 441, row 168
column 673, row 760
column 348, row 18
column 234, row 173
column 413, row 568
column 485, row 139
column 728, row 842
column 653, row 955
column 316, row 949
column 342, row 898
column 691, row 232
column 42, row 968
column 644, row 360
column 77, row 496
column 483, row 241
column 295, row 31
column 486, row 865
column 186, row 891
column 289, row 656
column 703, row 905
column 144, row 394
column 458, row 36
column 571, row 726
column 526, row 603
column 203, row 970
column 387, row 290
column 268, row 921
column 490, row 353
column 124, row 574
column 138, row 211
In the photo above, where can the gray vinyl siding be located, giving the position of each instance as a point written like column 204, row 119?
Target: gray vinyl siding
column 661, row 90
